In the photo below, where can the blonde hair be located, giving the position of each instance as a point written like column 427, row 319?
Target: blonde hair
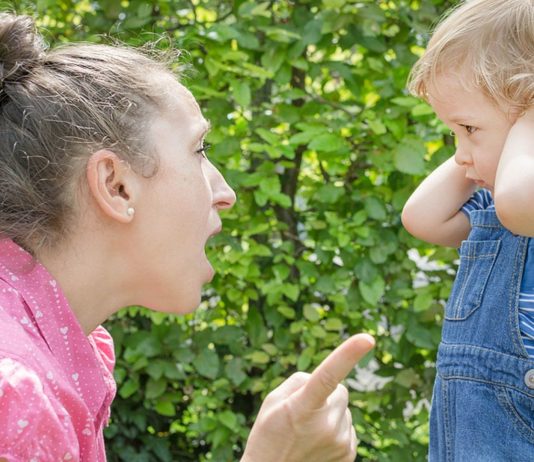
column 494, row 41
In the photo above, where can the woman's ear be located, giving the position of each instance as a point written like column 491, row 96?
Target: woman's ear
column 112, row 184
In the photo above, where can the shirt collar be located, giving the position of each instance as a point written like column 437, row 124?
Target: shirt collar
column 55, row 321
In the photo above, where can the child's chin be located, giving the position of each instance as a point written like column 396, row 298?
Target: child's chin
column 483, row 185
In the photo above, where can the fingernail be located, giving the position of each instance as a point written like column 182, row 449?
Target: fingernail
column 369, row 338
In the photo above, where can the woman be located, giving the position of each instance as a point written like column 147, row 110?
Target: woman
column 108, row 200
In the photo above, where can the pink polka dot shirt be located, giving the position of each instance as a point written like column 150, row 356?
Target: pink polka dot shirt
column 56, row 384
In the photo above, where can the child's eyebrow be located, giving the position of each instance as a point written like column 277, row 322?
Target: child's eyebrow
column 462, row 118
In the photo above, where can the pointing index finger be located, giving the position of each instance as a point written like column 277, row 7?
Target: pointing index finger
column 334, row 368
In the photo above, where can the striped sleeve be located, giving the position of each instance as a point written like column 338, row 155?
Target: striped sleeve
column 480, row 200
column 526, row 322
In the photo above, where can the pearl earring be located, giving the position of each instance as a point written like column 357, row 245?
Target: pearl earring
column 130, row 212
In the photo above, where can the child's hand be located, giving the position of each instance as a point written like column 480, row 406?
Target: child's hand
column 432, row 211
column 306, row 418
column 514, row 181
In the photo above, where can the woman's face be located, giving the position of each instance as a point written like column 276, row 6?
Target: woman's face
column 177, row 210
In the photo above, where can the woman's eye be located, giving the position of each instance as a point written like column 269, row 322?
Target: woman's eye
column 202, row 151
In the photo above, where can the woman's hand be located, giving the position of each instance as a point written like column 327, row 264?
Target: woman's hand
column 306, row 418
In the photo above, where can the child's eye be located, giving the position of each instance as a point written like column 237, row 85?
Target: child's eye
column 202, row 151
column 469, row 129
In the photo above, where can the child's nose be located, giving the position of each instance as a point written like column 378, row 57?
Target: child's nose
column 462, row 157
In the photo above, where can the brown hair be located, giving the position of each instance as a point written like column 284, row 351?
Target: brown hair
column 494, row 41
column 56, row 108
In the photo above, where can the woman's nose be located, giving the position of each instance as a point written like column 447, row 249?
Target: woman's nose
column 224, row 196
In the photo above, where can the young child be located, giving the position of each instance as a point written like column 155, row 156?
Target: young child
column 107, row 200
column 478, row 74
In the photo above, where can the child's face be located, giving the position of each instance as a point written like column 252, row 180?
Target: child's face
column 480, row 126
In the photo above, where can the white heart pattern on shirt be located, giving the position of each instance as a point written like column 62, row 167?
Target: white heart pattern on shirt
column 86, row 431
column 75, row 376
column 53, row 284
column 67, row 456
column 22, row 423
column 39, row 314
column 14, row 278
column 64, row 330
column 24, row 320
column 49, row 375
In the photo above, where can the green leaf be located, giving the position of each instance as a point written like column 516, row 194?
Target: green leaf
column 228, row 419
column 406, row 101
column 329, row 193
column 241, row 93
column 128, row 388
column 207, row 363
column 327, row 142
column 421, row 336
column 377, row 127
column 155, row 369
column 318, row 332
column 312, row 31
column 408, row 378
column 219, row 436
column 259, row 357
column 287, row 312
column 291, row 291
column 305, row 359
column 250, row 8
column 375, row 208
column 234, row 371
column 311, row 313
column 303, row 137
column 373, row 292
column 255, row 327
column 260, row 197
column 144, row 10
column 422, row 302
column 334, row 3
column 273, row 58
column 165, row 407
column 333, row 324
column 155, row 388
column 422, row 109
column 281, row 35
column 409, row 156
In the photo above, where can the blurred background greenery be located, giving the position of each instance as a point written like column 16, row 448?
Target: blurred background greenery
column 314, row 129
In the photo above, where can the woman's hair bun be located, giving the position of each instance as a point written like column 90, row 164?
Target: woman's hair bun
column 21, row 47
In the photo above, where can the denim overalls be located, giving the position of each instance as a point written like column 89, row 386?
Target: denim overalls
column 483, row 400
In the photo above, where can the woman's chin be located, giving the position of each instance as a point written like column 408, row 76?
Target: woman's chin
column 210, row 272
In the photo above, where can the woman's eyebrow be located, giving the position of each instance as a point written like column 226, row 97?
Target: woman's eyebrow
column 207, row 128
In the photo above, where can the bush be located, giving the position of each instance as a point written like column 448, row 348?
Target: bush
column 314, row 129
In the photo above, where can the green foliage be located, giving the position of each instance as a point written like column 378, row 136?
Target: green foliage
column 314, row 129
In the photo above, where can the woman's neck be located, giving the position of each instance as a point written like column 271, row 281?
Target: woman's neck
column 90, row 278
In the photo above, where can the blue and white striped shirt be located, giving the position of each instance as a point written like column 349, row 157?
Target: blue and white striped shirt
column 482, row 200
